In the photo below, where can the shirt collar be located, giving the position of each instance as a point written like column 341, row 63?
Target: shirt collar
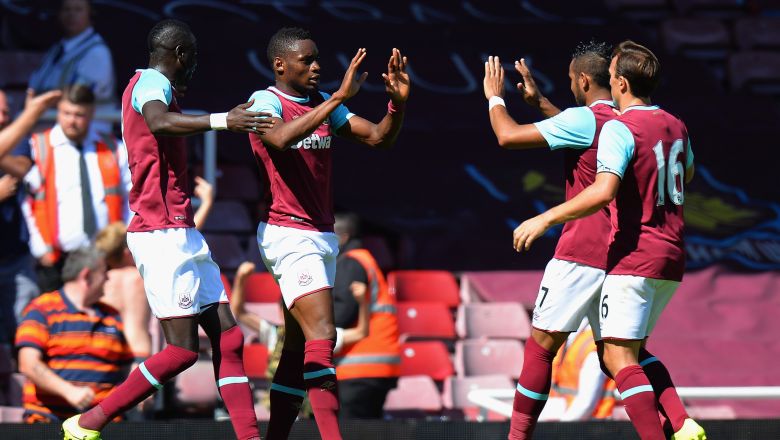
column 297, row 99
column 602, row 101
column 58, row 138
column 69, row 44
column 68, row 304
column 641, row 107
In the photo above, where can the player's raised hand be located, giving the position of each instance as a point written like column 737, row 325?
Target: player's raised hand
column 494, row 78
column 528, row 231
column 396, row 78
column 527, row 86
column 352, row 81
column 241, row 120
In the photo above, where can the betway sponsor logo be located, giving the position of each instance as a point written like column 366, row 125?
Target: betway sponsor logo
column 314, row 142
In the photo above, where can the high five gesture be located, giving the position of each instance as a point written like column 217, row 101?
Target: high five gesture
column 396, row 78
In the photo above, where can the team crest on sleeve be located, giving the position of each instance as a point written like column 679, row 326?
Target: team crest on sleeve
column 305, row 278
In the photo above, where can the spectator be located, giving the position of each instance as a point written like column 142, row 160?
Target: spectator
column 81, row 57
column 367, row 363
column 577, row 377
column 124, row 289
column 17, row 277
column 71, row 346
column 79, row 184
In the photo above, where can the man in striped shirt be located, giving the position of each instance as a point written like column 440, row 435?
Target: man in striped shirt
column 71, row 346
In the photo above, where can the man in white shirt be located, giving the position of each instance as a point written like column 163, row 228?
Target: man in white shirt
column 81, row 57
column 63, row 213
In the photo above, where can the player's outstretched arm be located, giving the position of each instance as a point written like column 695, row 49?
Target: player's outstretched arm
column 163, row 122
column 531, row 93
column 286, row 134
column 596, row 196
column 384, row 134
column 509, row 133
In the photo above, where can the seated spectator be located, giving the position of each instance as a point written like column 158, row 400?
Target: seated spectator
column 71, row 346
column 81, row 57
column 368, row 363
column 577, row 377
column 79, row 184
column 17, row 276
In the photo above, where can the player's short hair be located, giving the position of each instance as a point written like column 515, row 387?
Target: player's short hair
column 168, row 34
column 76, row 261
column 283, row 41
column 112, row 241
column 347, row 223
column 80, row 94
column 639, row 66
column 592, row 58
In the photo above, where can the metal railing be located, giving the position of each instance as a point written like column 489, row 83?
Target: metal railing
column 496, row 399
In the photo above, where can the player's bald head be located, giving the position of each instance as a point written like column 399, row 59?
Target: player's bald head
column 592, row 58
column 285, row 40
column 168, row 34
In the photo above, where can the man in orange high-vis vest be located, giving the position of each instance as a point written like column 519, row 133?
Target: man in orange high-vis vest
column 63, row 212
column 578, row 378
column 367, row 363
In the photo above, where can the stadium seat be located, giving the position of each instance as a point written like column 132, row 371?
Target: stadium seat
column 456, row 389
column 756, row 33
column 11, row 390
column 255, row 360
column 725, row 9
column 262, row 288
column 755, row 71
column 414, row 393
column 238, row 182
column 428, row 358
column 493, row 320
column 226, row 250
column 437, row 286
column 640, row 9
column 11, row 414
column 6, row 360
column 228, row 216
column 17, row 67
column 696, row 38
column 481, row 357
column 271, row 312
column 196, row 386
column 425, row 320
column 509, row 286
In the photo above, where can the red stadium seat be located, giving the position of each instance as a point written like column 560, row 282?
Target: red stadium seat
column 456, row 389
column 414, row 393
column 255, row 360
column 228, row 216
column 437, row 286
column 487, row 357
column 640, row 9
column 493, row 320
column 758, row 33
column 226, row 250
column 755, row 71
column 723, row 9
column 425, row 320
column 271, row 312
column 11, row 414
column 427, row 358
column 696, row 38
column 196, row 386
column 262, row 287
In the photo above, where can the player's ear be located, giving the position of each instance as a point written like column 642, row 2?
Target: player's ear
column 279, row 66
column 584, row 81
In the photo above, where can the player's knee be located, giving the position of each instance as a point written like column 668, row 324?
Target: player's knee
column 323, row 330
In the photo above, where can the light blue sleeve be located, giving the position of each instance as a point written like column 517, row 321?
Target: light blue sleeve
column 151, row 86
column 339, row 116
column 616, row 148
column 572, row 128
column 688, row 155
column 266, row 101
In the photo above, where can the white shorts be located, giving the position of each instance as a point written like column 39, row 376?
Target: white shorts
column 180, row 278
column 569, row 292
column 630, row 305
column 303, row 262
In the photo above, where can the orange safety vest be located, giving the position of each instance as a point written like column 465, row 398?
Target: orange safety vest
column 566, row 374
column 44, row 201
column 379, row 353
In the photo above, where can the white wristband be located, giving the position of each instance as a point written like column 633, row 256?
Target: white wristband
column 219, row 121
column 494, row 101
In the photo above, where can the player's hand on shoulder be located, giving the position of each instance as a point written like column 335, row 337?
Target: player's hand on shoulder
column 351, row 83
column 240, row 119
column 494, row 78
column 397, row 79
column 527, row 86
